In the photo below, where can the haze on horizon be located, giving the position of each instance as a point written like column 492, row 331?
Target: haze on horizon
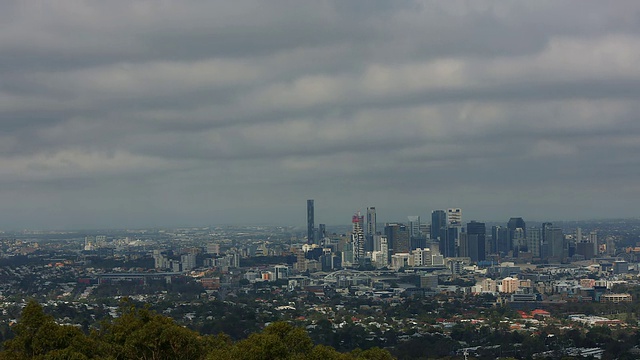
column 123, row 114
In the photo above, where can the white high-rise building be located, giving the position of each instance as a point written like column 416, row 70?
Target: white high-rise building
column 357, row 238
column 188, row 261
column 384, row 249
column 454, row 217
column 593, row 238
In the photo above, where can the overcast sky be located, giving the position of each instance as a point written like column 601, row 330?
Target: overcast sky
column 163, row 113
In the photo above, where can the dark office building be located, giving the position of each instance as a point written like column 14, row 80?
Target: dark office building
column 515, row 223
column 438, row 223
column 448, row 241
column 500, row 240
column 370, row 230
column 553, row 244
column 322, row 233
column 585, row 249
column 310, row 223
column 476, row 241
column 398, row 238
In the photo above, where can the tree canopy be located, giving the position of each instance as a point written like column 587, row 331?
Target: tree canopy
column 143, row 334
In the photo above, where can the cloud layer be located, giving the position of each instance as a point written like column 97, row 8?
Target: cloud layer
column 161, row 113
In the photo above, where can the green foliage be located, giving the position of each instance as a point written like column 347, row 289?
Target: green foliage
column 144, row 334
column 39, row 337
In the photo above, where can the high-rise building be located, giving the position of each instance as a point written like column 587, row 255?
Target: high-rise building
column 454, row 217
column 382, row 255
column 357, row 238
column 448, row 241
column 610, row 246
column 476, row 240
column 515, row 241
column 348, row 254
column 371, row 230
column 593, row 239
column 463, row 245
column 553, row 243
column 371, row 221
column 398, row 238
column 414, row 226
column 188, row 261
column 518, row 241
column 311, row 228
column 321, row 233
column 500, row 240
column 425, row 229
column 534, row 241
column 438, row 223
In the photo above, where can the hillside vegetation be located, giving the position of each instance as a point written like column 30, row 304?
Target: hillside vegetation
column 144, row 334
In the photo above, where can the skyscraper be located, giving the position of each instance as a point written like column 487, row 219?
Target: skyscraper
column 414, row 226
column 448, row 240
column 398, row 238
column 593, row 239
column 321, row 233
column 371, row 221
column 476, row 240
column 357, row 238
column 438, row 223
column 371, row 229
column 310, row 223
column 454, row 217
column 552, row 242
column 517, row 237
column 534, row 241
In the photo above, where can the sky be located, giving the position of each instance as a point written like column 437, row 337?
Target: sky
column 117, row 114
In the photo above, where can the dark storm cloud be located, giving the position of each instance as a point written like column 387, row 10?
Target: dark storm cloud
column 141, row 113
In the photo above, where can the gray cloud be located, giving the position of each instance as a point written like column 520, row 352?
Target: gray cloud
column 122, row 113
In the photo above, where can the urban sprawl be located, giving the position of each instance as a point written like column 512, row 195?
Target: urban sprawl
column 424, row 287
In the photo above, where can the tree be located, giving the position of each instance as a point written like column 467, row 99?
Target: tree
column 143, row 334
column 146, row 335
column 39, row 337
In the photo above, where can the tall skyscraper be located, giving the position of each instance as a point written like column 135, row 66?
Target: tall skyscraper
column 593, row 239
column 500, row 240
column 311, row 228
column 357, row 238
column 553, row 243
column 414, row 226
column 448, row 241
column 371, row 221
column 438, row 223
column 476, row 240
column 371, row 229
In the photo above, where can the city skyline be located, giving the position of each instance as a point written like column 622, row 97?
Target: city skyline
column 160, row 114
